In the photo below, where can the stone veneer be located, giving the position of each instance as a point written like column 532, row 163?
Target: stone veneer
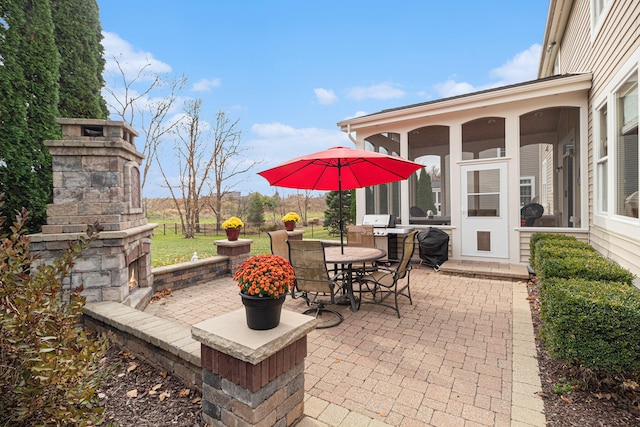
column 253, row 377
column 96, row 178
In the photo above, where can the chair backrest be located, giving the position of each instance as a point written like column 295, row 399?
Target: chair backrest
column 417, row 211
column 408, row 247
column 279, row 243
column 308, row 262
column 531, row 212
column 361, row 236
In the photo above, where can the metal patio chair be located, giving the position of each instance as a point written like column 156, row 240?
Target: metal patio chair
column 313, row 281
column 388, row 281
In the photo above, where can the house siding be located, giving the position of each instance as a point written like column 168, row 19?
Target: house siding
column 602, row 54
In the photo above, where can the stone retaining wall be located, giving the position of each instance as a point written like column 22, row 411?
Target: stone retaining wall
column 191, row 273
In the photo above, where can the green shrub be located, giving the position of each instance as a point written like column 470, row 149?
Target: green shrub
column 560, row 242
column 592, row 324
column 545, row 238
column 49, row 366
column 579, row 263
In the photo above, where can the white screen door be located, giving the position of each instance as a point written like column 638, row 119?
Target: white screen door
column 484, row 223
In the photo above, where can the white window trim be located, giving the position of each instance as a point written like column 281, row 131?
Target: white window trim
column 531, row 184
column 596, row 22
column 616, row 223
column 599, row 159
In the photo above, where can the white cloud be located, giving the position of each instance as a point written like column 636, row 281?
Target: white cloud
column 452, row 88
column 132, row 61
column 356, row 114
column 325, row 96
column 205, row 85
column 278, row 142
column 269, row 130
column 522, row 67
column 379, row 91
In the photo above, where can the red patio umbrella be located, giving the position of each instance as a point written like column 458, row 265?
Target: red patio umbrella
column 340, row 168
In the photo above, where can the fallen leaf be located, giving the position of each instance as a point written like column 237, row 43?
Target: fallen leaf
column 152, row 392
column 382, row 414
column 606, row 396
column 630, row 385
column 184, row 392
column 132, row 393
column 566, row 399
column 132, row 366
column 197, row 400
column 337, row 361
column 120, row 375
column 530, row 298
column 102, row 395
column 163, row 395
column 155, row 387
column 163, row 374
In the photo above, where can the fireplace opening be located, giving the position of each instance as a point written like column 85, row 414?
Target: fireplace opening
column 134, row 273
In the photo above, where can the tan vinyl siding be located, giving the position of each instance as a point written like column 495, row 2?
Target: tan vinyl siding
column 622, row 249
column 601, row 54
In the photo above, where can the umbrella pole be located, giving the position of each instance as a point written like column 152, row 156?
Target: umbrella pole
column 340, row 207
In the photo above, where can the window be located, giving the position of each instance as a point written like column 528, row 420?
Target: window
column 527, row 189
column 597, row 12
column 627, row 148
column 602, row 166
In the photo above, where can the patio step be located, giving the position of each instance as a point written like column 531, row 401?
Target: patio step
column 485, row 270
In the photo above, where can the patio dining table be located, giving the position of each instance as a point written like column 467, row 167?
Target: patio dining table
column 345, row 258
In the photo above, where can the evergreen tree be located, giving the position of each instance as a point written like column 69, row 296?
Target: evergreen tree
column 421, row 191
column 424, row 192
column 81, row 58
column 28, row 107
column 255, row 212
column 430, row 205
column 332, row 213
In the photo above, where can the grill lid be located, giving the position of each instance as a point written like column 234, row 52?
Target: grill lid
column 379, row 221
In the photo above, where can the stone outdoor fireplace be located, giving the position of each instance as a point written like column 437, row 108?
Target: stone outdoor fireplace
column 96, row 177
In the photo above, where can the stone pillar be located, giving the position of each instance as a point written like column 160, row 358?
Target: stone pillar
column 295, row 234
column 253, row 377
column 237, row 251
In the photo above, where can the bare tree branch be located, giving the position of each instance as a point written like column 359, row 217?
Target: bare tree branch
column 125, row 107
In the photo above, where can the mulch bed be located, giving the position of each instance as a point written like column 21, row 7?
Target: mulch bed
column 138, row 394
column 570, row 404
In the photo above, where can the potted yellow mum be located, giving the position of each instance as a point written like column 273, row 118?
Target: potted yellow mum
column 232, row 227
column 290, row 220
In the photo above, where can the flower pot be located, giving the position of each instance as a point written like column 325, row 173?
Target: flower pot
column 290, row 225
column 233, row 234
column 262, row 312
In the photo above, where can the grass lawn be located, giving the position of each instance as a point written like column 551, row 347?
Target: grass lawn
column 168, row 248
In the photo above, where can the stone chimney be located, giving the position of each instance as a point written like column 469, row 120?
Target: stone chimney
column 96, row 177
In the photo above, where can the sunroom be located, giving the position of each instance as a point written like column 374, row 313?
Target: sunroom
column 500, row 164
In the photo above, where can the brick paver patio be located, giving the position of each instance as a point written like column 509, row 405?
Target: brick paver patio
column 448, row 361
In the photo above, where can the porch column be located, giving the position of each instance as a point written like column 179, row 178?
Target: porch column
column 404, row 184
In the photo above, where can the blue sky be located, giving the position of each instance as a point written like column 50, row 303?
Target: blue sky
column 290, row 70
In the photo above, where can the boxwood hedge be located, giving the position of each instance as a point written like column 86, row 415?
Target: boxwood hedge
column 592, row 323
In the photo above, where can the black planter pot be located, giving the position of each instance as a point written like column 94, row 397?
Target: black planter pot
column 262, row 312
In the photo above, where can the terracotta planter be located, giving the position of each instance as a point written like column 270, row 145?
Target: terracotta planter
column 262, row 312
column 290, row 225
column 233, row 234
